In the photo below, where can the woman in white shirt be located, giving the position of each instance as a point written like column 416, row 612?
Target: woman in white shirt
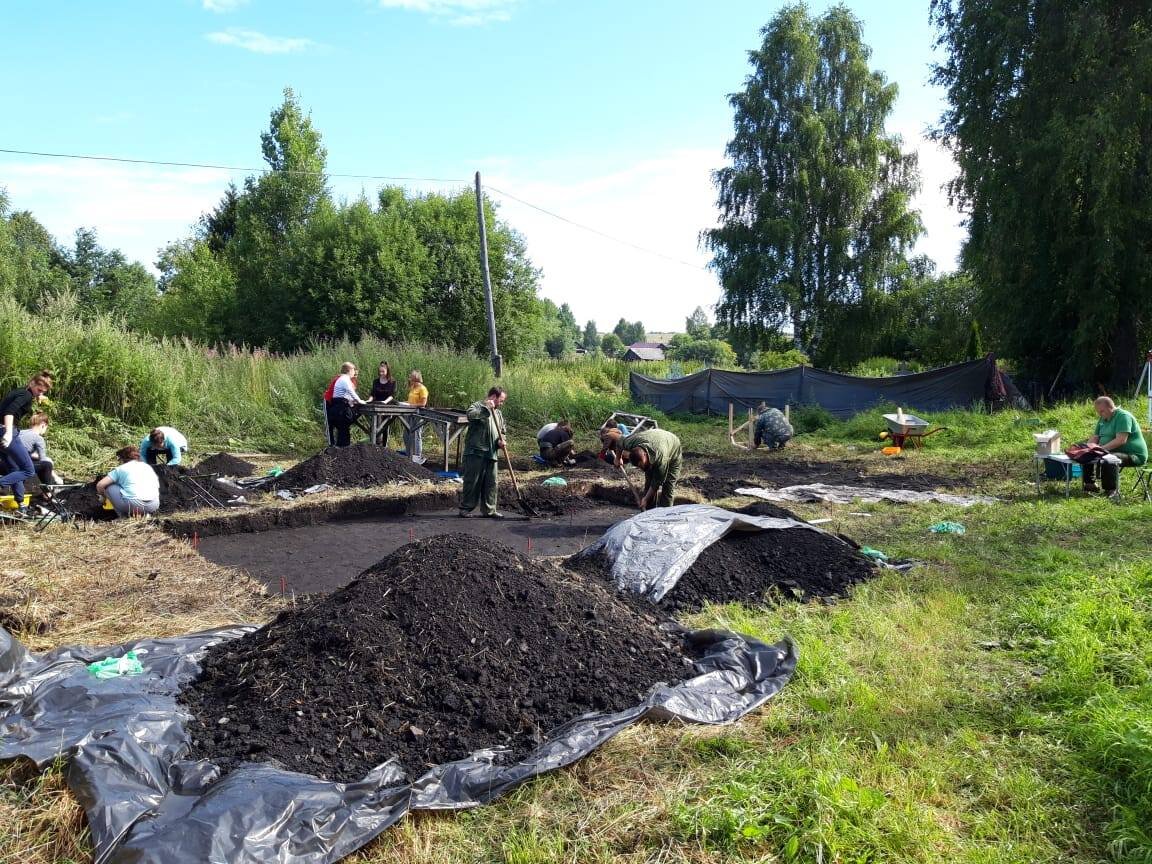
column 344, row 402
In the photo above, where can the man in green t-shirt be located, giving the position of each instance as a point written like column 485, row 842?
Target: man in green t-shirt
column 1118, row 432
column 657, row 453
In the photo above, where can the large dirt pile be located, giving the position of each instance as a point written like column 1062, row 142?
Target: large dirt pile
column 751, row 566
column 356, row 466
column 446, row 646
column 745, row 567
column 226, row 465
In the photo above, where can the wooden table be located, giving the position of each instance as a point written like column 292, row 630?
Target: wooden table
column 446, row 423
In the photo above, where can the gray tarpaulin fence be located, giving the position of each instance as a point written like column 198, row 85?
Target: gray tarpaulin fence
column 711, row 390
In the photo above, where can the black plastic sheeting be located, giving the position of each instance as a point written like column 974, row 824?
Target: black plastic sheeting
column 652, row 550
column 145, row 804
column 711, row 390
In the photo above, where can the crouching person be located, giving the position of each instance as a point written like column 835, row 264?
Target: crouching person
column 32, row 438
column 772, row 428
column 132, row 486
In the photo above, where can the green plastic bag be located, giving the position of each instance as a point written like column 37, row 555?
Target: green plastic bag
column 114, row 667
column 947, row 528
column 874, row 554
column 275, row 472
column 555, row 481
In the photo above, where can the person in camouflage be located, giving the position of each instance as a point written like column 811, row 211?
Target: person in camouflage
column 772, row 428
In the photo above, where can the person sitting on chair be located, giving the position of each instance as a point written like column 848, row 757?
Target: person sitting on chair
column 556, row 444
column 132, row 486
column 1117, row 432
column 163, row 443
column 772, row 428
column 32, row 438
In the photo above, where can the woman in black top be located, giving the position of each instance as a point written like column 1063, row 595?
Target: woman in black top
column 13, row 407
column 383, row 390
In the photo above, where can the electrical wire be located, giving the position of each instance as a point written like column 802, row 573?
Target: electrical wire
column 595, row 231
column 500, row 192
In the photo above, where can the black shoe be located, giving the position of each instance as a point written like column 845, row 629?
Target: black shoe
column 1091, row 488
column 495, row 514
column 465, row 514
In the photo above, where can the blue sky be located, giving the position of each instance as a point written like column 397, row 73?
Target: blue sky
column 609, row 114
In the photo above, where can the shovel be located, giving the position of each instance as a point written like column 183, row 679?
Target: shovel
column 527, row 508
column 632, row 486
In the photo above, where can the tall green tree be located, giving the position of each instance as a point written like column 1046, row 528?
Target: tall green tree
column 815, row 205
column 1050, row 122
column 591, row 338
column 271, row 217
column 697, row 325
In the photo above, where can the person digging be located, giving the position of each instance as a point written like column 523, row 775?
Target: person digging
column 657, row 453
column 482, row 445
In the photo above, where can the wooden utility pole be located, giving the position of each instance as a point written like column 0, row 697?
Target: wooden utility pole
column 497, row 362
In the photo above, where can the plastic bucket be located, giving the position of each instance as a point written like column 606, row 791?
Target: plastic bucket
column 8, row 502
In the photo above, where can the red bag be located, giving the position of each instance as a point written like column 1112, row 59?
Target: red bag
column 1085, row 454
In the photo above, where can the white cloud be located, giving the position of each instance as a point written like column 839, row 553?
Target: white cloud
column 136, row 209
column 944, row 230
column 461, row 13
column 259, row 43
column 661, row 204
column 223, row 6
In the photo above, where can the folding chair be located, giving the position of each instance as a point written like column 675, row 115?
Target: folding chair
column 1143, row 476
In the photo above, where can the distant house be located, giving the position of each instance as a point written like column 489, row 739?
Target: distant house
column 645, row 351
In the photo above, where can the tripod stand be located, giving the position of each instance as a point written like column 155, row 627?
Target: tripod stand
column 1146, row 381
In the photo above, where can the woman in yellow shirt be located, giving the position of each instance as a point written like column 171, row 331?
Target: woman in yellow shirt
column 417, row 396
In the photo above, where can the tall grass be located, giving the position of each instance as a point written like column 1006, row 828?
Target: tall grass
column 116, row 382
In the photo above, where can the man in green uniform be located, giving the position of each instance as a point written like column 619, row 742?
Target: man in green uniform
column 658, row 454
column 1118, row 432
column 482, row 445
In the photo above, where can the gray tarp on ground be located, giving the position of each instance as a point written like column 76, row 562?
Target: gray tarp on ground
column 146, row 804
column 822, row 492
column 651, row 551
column 711, row 390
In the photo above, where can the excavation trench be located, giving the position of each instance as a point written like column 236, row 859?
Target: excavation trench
column 320, row 547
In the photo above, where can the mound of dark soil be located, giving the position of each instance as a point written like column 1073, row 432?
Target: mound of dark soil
column 226, row 465
column 767, row 508
column 747, row 566
column 446, row 646
column 356, row 466
column 750, row 566
column 547, row 500
column 181, row 489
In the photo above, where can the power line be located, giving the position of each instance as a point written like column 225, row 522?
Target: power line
column 508, row 195
column 228, row 167
column 595, row 230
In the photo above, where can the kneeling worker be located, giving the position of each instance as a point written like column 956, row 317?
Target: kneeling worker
column 556, row 444
column 165, row 443
column 772, row 428
column 132, row 486
column 658, row 454
column 482, row 446
column 32, row 438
